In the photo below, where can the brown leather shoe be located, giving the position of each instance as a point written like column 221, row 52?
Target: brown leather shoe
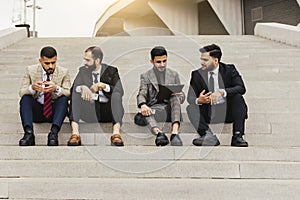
column 74, row 140
column 116, row 140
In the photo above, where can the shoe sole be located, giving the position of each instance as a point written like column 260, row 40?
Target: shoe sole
column 74, row 144
column 176, row 144
column 24, row 145
column 160, row 143
column 246, row 145
column 49, row 144
column 117, row 144
column 207, row 144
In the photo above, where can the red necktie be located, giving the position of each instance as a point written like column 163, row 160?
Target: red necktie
column 47, row 109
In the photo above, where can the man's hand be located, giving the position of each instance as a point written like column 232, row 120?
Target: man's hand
column 37, row 86
column 94, row 88
column 204, row 98
column 178, row 94
column 215, row 97
column 97, row 87
column 86, row 93
column 49, row 86
column 145, row 110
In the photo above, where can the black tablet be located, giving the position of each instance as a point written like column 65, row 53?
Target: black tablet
column 165, row 91
column 174, row 88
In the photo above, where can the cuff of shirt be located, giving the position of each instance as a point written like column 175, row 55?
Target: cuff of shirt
column 107, row 88
column 31, row 90
column 140, row 105
column 225, row 93
column 78, row 89
column 58, row 90
column 196, row 102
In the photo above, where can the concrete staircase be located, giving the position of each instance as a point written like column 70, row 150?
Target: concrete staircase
column 268, row 169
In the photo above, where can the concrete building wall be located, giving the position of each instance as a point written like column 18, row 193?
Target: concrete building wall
column 106, row 17
column 154, row 26
column 281, row 11
column 179, row 16
column 209, row 22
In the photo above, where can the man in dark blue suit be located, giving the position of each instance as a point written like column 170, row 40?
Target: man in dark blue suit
column 215, row 96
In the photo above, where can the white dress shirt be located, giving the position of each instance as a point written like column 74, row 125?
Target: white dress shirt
column 102, row 98
column 216, row 85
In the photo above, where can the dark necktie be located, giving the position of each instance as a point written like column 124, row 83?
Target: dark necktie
column 95, row 77
column 211, row 83
column 47, row 108
column 211, row 88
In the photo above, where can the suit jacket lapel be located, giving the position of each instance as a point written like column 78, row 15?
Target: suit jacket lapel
column 169, row 79
column 221, row 76
column 153, row 79
column 55, row 75
column 103, row 68
column 39, row 75
column 204, row 75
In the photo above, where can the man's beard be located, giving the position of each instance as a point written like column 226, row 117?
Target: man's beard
column 161, row 68
column 209, row 68
column 49, row 71
column 91, row 67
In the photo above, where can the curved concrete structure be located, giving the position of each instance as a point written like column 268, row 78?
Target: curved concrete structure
column 171, row 17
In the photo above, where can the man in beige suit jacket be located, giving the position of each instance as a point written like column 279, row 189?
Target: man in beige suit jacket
column 154, row 105
column 44, row 97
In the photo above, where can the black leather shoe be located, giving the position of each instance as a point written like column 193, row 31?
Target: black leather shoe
column 28, row 138
column 238, row 141
column 161, row 139
column 175, row 140
column 209, row 139
column 52, row 139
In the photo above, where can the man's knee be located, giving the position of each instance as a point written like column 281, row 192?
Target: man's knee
column 238, row 98
column 238, row 102
column 192, row 109
column 63, row 99
column 26, row 98
column 116, row 97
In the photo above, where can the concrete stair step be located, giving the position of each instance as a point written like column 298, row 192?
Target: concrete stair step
column 149, row 169
column 146, row 153
column 129, row 127
column 158, row 188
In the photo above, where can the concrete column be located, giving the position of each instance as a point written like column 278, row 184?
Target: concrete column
column 230, row 14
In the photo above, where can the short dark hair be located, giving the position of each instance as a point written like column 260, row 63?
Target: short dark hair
column 214, row 51
column 89, row 49
column 97, row 53
column 48, row 52
column 158, row 51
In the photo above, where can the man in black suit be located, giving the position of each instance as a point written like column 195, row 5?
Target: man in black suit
column 215, row 96
column 96, row 96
